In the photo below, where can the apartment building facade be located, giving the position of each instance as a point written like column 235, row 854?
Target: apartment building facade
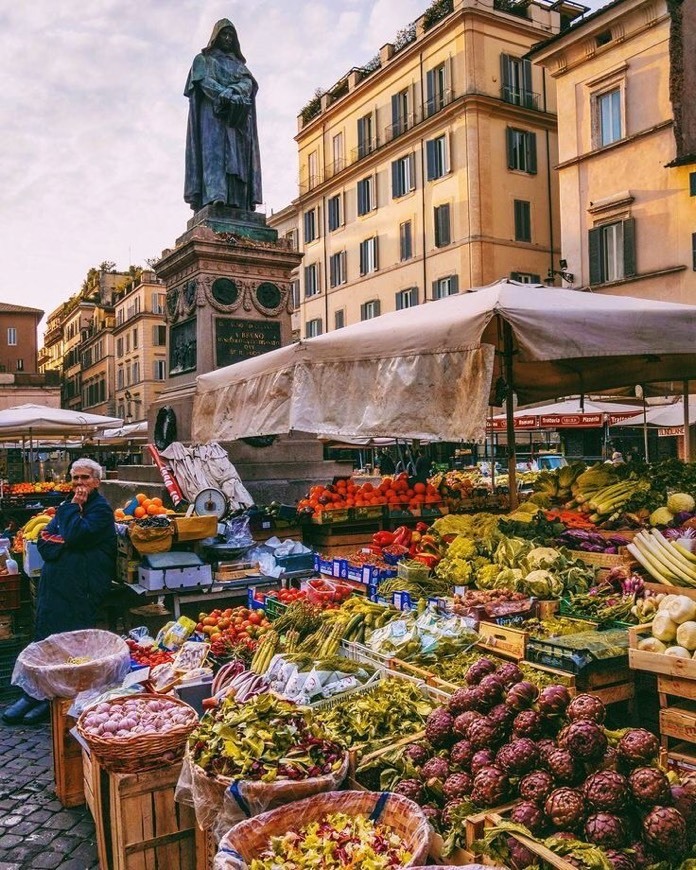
column 626, row 80
column 140, row 346
column 18, row 338
column 431, row 170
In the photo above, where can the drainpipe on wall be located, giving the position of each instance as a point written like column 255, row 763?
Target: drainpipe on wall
column 548, row 174
column 422, row 161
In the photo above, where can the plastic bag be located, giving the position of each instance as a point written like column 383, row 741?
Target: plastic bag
column 43, row 669
column 220, row 802
column 97, row 696
column 247, row 839
column 237, row 532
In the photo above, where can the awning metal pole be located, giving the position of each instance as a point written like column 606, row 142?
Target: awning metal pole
column 687, row 436
column 510, row 412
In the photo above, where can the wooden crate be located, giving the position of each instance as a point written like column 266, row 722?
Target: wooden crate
column 206, row 849
column 546, row 856
column 148, row 829
column 67, row 755
column 658, row 663
column 503, row 640
column 681, row 687
column 657, row 588
column 678, row 722
column 96, row 788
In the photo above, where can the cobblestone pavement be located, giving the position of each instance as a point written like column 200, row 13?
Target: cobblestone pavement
column 36, row 831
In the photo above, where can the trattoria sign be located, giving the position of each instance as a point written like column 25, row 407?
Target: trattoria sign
column 557, row 421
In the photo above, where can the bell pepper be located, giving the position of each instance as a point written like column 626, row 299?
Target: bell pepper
column 429, row 559
column 422, row 527
column 402, row 536
column 383, row 539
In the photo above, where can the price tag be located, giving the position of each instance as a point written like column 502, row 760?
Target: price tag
column 399, row 628
column 366, row 575
column 135, row 677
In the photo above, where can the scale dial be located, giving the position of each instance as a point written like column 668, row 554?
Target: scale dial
column 210, row 502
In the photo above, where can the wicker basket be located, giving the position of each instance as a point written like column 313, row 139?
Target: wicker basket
column 247, row 839
column 140, row 751
column 43, row 669
column 218, row 809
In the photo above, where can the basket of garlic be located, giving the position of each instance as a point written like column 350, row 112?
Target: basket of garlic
column 135, row 733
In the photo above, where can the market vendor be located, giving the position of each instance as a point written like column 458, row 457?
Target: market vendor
column 78, row 547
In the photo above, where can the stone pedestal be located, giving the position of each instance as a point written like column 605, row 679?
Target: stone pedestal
column 229, row 298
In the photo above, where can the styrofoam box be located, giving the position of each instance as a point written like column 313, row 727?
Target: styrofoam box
column 175, row 578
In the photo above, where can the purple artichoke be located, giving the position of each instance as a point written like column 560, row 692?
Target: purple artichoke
column 520, row 856
column 563, row 767
column 483, row 733
column 553, row 700
column 482, row 758
column 438, row 727
column 417, row 754
column 638, row 747
column 447, row 811
column 491, row 787
column 683, row 798
column 606, row 791
column 461, row 724
column 649, row 787
column 565, row 807
column 528, row 723
column 503, row 715
column 664, row 830
column 461, row 754
column 457, row 785
column 530, row 815
column 518, row 757
column 584, row 739
column 435, row 768
column 605, row 829
column 536, row 787
column 620, row 860
column 521, row 695
column 478, row 671
column 464, row 699
column 410, row 788
column 509, row 674
column 491, row 689
column 586, row 707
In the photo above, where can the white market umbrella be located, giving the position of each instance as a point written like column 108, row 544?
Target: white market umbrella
column 431, row 371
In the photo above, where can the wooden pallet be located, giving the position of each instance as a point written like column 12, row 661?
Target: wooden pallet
column 67, row 755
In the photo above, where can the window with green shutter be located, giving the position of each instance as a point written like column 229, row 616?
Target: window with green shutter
column 612, row 251
column 442, row 225
column 521, row 150
column 523, row 221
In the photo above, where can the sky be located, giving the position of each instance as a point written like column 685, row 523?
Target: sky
column 94, row 119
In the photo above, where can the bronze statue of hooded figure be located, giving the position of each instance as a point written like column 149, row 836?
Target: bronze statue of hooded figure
column 222, row 145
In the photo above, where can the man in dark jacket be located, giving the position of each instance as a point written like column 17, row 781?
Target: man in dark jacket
column 78, row 547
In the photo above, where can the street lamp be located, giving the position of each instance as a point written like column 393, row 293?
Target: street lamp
column 562, row 273
column 129, row 399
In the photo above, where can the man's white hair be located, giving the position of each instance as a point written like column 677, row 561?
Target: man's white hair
column 93, row 467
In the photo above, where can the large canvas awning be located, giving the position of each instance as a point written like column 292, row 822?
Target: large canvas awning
column 431, row 371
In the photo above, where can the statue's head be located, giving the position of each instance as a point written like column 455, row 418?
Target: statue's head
column 224, row 37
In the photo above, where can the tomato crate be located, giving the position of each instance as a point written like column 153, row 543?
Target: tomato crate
column 10, row 592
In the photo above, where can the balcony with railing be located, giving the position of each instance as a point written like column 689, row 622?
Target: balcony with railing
column 520, row 97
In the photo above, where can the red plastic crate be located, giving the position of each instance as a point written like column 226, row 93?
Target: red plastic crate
column 10, row 592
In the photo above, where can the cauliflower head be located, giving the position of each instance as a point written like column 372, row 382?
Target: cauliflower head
column 681, row 501
column 542, row 557
column 661, row 517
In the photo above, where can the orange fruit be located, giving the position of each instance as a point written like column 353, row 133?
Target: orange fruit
column 157, row 501
column 139, row 512
column 140, row 497
column 153, row 509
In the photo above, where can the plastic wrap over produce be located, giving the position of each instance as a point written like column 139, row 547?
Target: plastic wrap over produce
column 220, row 802
column 63, row 665
column 397, row 827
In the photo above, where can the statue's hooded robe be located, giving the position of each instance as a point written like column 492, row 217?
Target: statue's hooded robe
column 222, row 144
